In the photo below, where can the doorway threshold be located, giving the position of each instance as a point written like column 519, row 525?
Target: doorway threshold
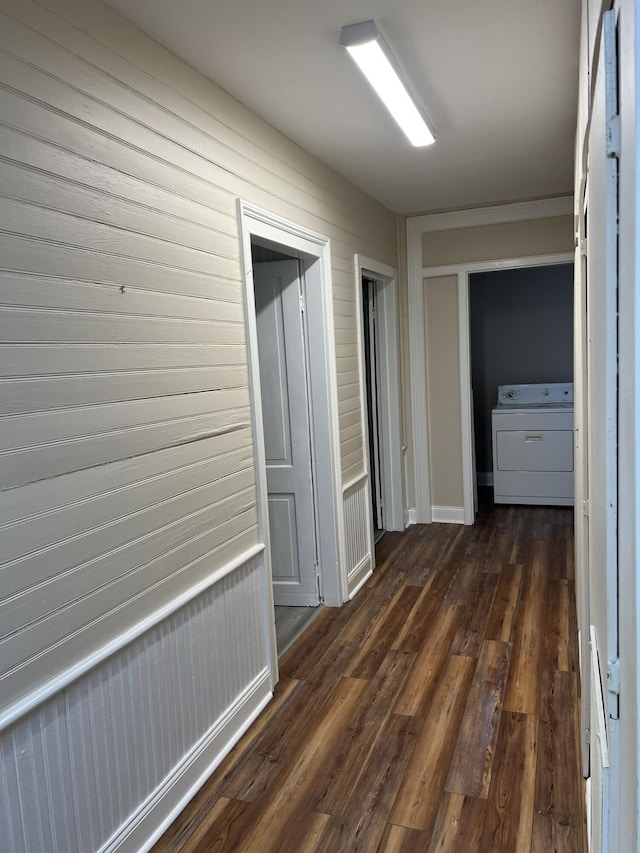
column 291, row 622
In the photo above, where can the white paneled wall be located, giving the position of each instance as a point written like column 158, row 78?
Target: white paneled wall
column 358, row 532
column 127, row 478
column 91, row 763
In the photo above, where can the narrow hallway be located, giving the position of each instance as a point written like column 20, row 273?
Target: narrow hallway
column 436, row 711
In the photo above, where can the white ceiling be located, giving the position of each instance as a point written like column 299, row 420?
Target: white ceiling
column 498, row 79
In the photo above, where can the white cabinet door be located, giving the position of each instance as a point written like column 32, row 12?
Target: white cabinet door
column 285, row 411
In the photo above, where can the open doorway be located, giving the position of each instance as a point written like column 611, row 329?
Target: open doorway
column 373, row 391
column 281, row 323
column 380, row 378
column 294, row 282
column 521, row 332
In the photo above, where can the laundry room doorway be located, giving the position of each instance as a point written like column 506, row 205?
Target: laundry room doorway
column 521, row 332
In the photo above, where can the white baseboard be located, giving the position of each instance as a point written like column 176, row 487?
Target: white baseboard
column 448, row 514
column 410, row 516
column 359, row 576
column 484, row 478
column 164, row 805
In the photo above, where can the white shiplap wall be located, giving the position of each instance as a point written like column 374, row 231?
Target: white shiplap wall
column 101, row 764
column 126, row 447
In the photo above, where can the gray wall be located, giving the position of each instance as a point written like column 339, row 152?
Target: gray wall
column 521, row 331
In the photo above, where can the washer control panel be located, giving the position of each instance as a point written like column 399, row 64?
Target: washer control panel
column 553, row 393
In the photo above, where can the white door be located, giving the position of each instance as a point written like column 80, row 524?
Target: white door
column 287, row 439
column 602, row 343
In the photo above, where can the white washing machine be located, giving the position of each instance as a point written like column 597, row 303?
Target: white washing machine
column 533, row 444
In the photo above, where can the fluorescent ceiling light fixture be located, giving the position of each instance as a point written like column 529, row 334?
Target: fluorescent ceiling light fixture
column 368, row 48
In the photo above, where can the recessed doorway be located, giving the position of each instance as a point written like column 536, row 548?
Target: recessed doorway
column 381, row 395
column 294, row 400
column 521, row 331
column 281, row 323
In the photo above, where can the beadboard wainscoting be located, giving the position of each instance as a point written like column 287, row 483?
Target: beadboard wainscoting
column 358, row 532
column 107, row 763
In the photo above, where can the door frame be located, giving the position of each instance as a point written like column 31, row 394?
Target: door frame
column 314, row 252
column 464, row 323
column 386, row 279
column 302, row 516
column 417, row 271
column 581, row 512
column 463, row 272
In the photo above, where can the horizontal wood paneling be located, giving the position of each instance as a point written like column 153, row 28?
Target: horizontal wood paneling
column 75, row 262
column 50, row 226
column 156, row 189
column 126, row 453
column 89, row 357
column 208, row 111
column 34, row 184
column 50, row 521
column 92, row 297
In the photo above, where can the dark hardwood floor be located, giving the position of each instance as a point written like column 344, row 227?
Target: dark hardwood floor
column 435, row 712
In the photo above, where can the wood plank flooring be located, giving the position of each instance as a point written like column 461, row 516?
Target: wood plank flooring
column 437, row 711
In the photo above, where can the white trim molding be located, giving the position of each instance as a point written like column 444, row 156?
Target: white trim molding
column 67, row 676
column 493, row 215
column 359, row 478
column 418, row 373
column 499, row 264
column 107, row 763
column 156, row 815
column 359, row 579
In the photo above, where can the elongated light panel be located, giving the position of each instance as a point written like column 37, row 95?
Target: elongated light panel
column 381, row 74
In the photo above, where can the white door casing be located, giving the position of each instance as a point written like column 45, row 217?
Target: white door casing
column 313, row 251
column 285, row 413
column 388, row 347
column 581, row 512
column 602, row 405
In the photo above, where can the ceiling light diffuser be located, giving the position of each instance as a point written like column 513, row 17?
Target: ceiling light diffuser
column 366, row 45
